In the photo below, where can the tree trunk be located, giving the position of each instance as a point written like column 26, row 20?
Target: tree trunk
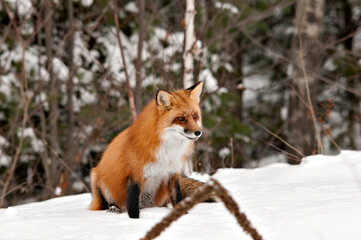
column 53, row 95
column 138, row 64
column 350, row 26
column 187, row 78
column 44, row 154
column 70, row 144
column 189, row 42
column 233, row 86
column 236, row 52
column 206, row 156
column 306, row 60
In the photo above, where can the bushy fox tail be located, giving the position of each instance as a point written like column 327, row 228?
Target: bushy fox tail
column 189, row 185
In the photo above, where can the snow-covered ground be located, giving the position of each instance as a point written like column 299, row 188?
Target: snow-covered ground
column 320, row 199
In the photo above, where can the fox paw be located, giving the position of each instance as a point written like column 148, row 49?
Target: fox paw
column 114, row 209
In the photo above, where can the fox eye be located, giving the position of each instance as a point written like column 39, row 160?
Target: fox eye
column 182, row 119
column 195, row 117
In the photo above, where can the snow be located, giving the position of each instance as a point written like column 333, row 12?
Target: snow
column 131, row 7
column 3, row 142
column 233, row 9
column 174, row 41
column 82, row 53
column 57, row 191
column 10, row 211
column 224, row 152
column 6, row 83
column 114, row 62
column 356, row 43
column 284, row 113
column 272, row 159
column 24, row 7
column 60, row 69
column 210, row 82
column 36, row 144
column 86, row 3
column 4, row 159
column 253, row 84
column 319, row 199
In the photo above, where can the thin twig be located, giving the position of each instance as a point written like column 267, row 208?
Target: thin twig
column 314, row 121
column 268, row 144
column 26, row 99
column 232, row 152
column 289, row 155
column 130, row 91
column 18, row 150
column 340, row 85
column 57, row 155
column 12, row 190
column 333, row 141
column 279, row 138
column 257, row 17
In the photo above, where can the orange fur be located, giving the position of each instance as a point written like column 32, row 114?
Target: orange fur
column 136, row 147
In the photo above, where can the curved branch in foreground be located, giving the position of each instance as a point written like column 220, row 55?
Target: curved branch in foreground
column 197, row 197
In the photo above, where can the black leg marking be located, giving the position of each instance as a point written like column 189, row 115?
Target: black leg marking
column 178, row 191
column 102, row 199
column 133, row 193
column 175, row 192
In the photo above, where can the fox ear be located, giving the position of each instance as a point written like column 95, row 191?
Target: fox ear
column 164, row 99
column 195, row 91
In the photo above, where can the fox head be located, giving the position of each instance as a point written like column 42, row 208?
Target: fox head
column 180, row 111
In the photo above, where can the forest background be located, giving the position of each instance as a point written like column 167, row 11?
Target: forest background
column 282, row 81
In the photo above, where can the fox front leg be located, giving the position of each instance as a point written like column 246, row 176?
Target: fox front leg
column 133, row 193
column 175, row 191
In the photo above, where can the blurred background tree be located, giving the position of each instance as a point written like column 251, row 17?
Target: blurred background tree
column 65, row 90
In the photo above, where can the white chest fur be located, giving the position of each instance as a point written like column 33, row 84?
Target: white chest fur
column 169, row 155
column 169, row 160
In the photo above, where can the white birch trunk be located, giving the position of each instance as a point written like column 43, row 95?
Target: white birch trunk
column 190, row 40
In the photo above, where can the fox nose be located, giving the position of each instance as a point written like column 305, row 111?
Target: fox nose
column 197, row 133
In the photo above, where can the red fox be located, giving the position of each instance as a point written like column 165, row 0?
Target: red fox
column 141, row 167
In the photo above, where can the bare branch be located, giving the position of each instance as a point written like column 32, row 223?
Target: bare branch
column 308, row 94
column 18, row 150
column 278, row 137
column 130, row 91
column 198, row 196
